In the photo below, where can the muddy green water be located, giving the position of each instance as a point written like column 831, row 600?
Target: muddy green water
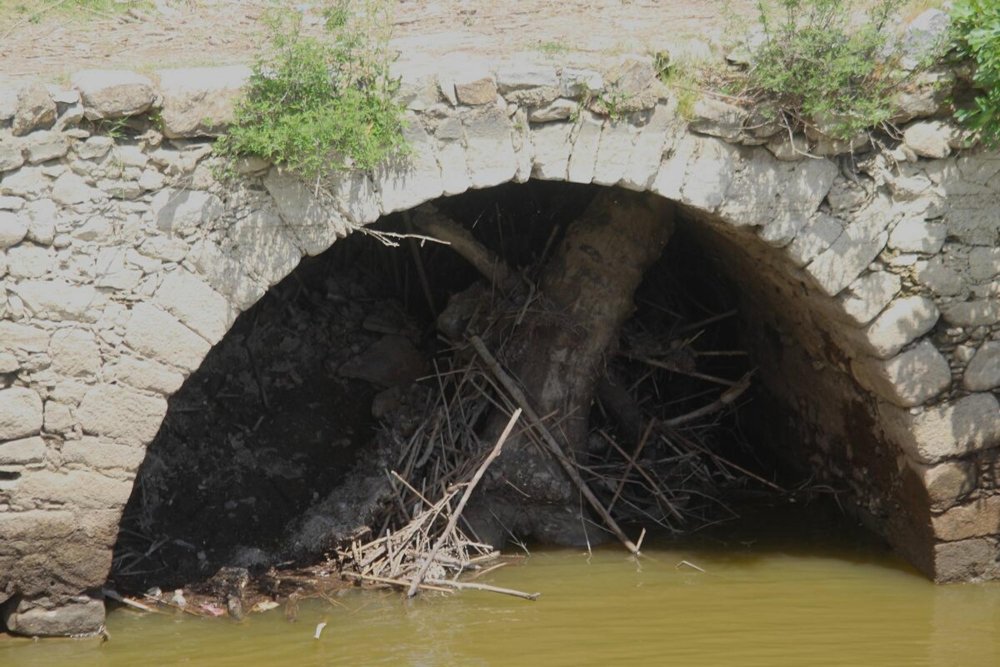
column 771, row 600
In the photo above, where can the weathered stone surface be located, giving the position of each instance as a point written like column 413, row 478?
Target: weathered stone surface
column 454, row 170
column 113, row 93
column 147, row 375
column 74, row 618
column 489, row 151
column 575, row 82
column 815, row 236
column 924, row 38
column 838, row 266
column 75, row 353
column 264, row 246
column 584, row 156
column 45, row 145
column 71, row 189
column 972, row 313
column 983, row 371
column 22, row 452
column 184, row 211
column 520, row 75
column 908, row 379
column 11, row 154
column 35, row 109
column 59, row 300
column 905, row 320
column 928, row 139
column 96, row 454
column 918, row 235
column 197, row 305
column 23, row 337
column 966, row 560
column 937, row 275
column 720, row 119
column 984, row 263
column 121, row 414
column 94, row 147
column 226, row 275
column 405, row 185
column 709, row 175
column 59, row 418
column 158, row 335
column 975, row 519
column 557, row 110
column 20, row 413
column 946, row 482
column 27, row 182
column 647, row 152
column 475, row 91
column 313, row 220
column 950, row 430
column 13, row 228
column 552, row 151
column 199, row 101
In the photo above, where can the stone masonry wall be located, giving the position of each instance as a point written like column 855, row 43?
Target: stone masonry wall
column 123, row 260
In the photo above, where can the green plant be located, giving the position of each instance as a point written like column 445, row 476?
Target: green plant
column 316, row 104
column 976, row 37
column 821, row 69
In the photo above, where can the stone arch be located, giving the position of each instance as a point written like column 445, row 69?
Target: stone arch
column 849, row 264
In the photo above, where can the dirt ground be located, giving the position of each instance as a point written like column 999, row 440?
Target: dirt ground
column 173, row 33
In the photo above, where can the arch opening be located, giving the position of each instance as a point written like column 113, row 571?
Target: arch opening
column 278, row 427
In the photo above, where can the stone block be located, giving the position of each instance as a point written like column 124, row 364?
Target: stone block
column 816, row 235
column 45, row 145
column 984, row 263
column 199, row 101
column 97, row 454
column 454, row 170
column 939, row 277
column 489, row 150
column 313, row 220
column 20, row 413
column 614, row 151
column 975, row 313
column 23, row 337
column 121, row 414
column 35, row 109
column 58, row 417
column 557, row 110
column 158, row 335
column 716, row 118
column 949, row 430
column 27, row 182
column 647, row 153
column 966, row 560
column 522, row 75
column 184, row 211
column 59, row 300
column 839, row 265
column 976, row 518
column 407, row 183
column 81, row 617
column 918, row 235
column 189, row 299
column 905, row 320
column 226, row 275
column 11, row 154
column 983, row 371
column 585, row 146
column 709, row 174
column 947, row 481
column 552, row 151
column 669, row 180
column 357, row 200
column 70, row 189
column 928, row 139
column 30, row 261
column 75, row 353
column 266, row 246
column 474, row 87
column 22, row 452
column 13, row 229
column 113, row 93
column 147, row 375
column 908, row 379
column 575, row 82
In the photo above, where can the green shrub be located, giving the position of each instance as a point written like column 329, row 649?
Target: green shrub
column 976, row 37
column 317, row 104
column 817, row 67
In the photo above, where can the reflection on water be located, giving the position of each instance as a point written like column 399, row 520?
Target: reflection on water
column 763, row 602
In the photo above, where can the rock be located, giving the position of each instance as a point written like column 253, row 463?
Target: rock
column 59, row 300
column 406, row 185
column 717, row 118
column 576, row 83
column 20, row 413
column 926, row 38
column 918, row 235
column 11, row 153
column 59, row 419
column 966, row 560
column 13, row 229
column 946, row 431
column 974, row 519
column 113, row 93
column 97, row 454
column 983, row 371
column 197, row 305
column 908, row 379
column 74, row 618
column 35, row 109
column 156, row 334
column 946, row 482
column 788, row 150
column 905, row 320
column 984, row 263
column 924, row 97
column 184, row 211
column 939, row 277
column 521, row 75
column 26, row 451
column 977, row 312
column 71, row 189
column 42, row 221
column 816, row 236
column 121, row 414
column 560, row 109
column 552, row 151
column 94, row 148
column 75, row 353
column 928, row 139
column 489, row 150
column 390, row 362
column 22, row 337
column 475, row 90
column 147, row 375
column 27, row 182
column 200, row 101
column 838, row 266
column 45, row 145
column 29, row 261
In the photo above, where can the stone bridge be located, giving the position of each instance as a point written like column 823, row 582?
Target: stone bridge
column 870, row 295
